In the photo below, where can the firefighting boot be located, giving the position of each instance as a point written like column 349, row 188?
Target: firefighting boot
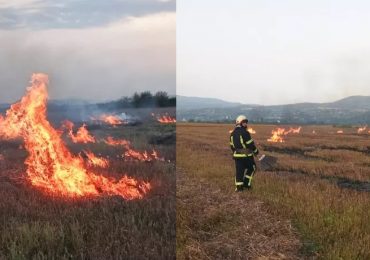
column 239, row 188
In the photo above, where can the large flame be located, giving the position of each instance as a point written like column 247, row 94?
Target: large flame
column 50, row 165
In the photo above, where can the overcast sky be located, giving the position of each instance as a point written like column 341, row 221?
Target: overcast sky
column 273, row 52
column 91, row 49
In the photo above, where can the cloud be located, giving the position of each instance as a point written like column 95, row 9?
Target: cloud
column 100, row 63
column 19, row 4
column 41, row 14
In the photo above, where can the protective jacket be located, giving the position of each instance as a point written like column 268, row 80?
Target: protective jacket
column 241, row 143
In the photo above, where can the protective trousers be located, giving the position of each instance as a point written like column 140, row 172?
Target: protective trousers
column 245, row 169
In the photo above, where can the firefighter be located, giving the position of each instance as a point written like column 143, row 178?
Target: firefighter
column 243, row 148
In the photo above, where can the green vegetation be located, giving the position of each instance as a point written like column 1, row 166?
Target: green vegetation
column 138, row 100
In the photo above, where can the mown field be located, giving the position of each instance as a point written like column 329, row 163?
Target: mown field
column 314, row 203
column 34, row 225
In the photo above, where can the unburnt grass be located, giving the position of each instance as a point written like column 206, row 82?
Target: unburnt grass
column 318, row 188
column 36, row 225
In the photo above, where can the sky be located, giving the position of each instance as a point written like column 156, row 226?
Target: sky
column 91, row 49
column 273, row 52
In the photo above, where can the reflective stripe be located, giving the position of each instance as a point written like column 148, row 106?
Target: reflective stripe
column 232, row 141
column 250, row 177
column 250, row 141
column 242, row 154
column 239, row 155
column 237, row 183
column 255, row 150
column 242, row 141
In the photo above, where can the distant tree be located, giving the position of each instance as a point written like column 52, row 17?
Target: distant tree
column 136, row 100
column 161, row 99
column 146, row 99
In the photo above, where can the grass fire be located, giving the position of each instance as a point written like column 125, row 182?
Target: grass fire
column 76, row 186
column 313, row 202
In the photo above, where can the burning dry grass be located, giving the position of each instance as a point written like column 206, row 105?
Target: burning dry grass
column 62, row 201
column 39, row 226
column 305, row 186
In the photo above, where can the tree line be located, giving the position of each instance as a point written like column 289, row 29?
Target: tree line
column 143, row 99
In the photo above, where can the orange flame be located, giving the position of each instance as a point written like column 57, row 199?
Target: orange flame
column 293, row 130
column 111, row 119
column 251, row 130
column 279, row 132
column 340, row 132
column 96, row 161
column 50, row 165
column 133, row 154
column 121, row 142
column 277, row 136
column 142, row 156
column 82, row 135
column 165, row 119
column 361, row 129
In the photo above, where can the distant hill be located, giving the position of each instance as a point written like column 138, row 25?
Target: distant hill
column 185, row 103
column 353, row 102
column 350, row 110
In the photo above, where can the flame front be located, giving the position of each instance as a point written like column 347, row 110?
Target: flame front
column 96, row 161
column 277, row 135
column 132, row 154
column 50, row 165
column 82, row 135
column 111, row 119
column 110, row 141
column 142, row 156
column 165, row 119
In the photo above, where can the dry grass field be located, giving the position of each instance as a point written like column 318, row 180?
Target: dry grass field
column 34, row 225
column 314, row 203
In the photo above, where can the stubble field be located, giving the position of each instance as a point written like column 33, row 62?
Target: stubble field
column 36, row 225
column 314, row 203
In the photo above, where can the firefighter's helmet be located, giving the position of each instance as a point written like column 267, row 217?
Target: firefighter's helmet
column 240, row 119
